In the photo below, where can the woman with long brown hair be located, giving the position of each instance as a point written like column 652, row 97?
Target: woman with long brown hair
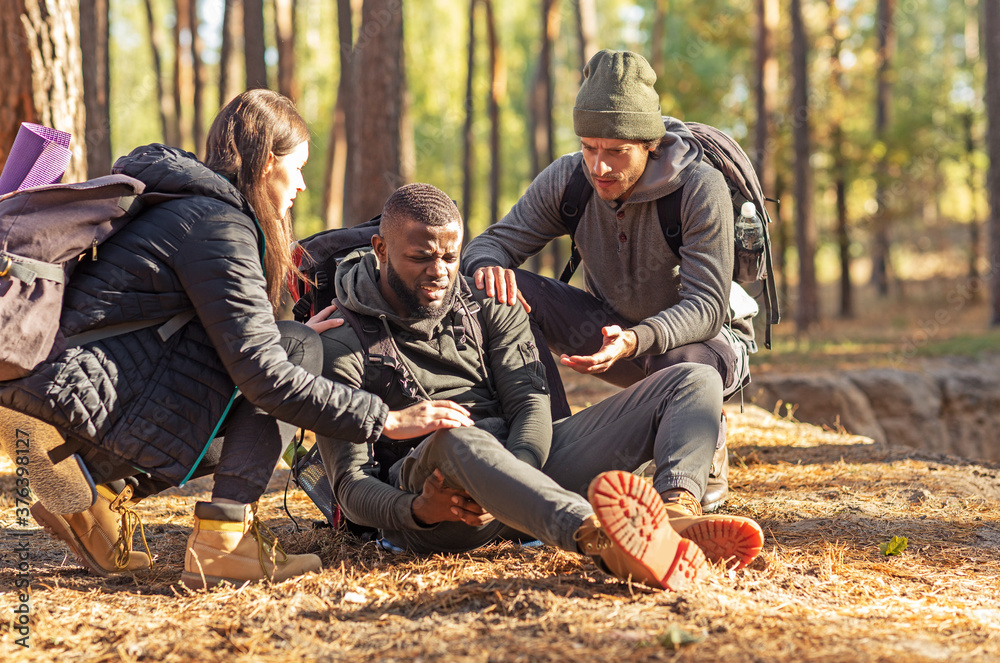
column 219, row 388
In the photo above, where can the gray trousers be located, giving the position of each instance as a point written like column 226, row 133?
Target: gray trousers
column 568, row 320
column 671, row 417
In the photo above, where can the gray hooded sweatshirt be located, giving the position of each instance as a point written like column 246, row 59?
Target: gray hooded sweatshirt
column 508, row 397
column 628, row 262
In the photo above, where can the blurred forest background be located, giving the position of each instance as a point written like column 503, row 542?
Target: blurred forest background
column 868, row 119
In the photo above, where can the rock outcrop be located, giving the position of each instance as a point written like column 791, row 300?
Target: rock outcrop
column 942, row 405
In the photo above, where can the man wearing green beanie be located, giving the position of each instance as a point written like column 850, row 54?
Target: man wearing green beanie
column 642, row 310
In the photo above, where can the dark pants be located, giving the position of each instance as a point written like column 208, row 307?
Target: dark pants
column 568, row 321
column 671, row 417
column 243, row 457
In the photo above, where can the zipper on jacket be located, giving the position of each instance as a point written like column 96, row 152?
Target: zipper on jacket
column 211, row 437
column 531, row 366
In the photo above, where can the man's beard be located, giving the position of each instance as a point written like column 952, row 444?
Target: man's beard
column 409, row 298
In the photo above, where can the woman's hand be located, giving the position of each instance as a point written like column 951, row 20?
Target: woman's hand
column 424, row 418
column 321, row 322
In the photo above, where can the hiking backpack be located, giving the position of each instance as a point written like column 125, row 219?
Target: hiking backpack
column 45, row 232
column 317, row 257
column 752, row 260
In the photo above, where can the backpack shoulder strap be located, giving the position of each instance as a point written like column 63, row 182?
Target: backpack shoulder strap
column 375, row 349
column 574, row 201
column 668, row 209
column 382, row 363
column 467, row 324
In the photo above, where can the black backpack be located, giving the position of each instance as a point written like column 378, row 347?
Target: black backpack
column 752, row 242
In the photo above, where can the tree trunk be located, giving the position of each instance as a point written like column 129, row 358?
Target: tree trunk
column 881, row 264
column 166, row 108
column 805, row 230
column 379, row 84
column 843, row 228
column 284, row 31
column 497, row 85
column 253, row 41
column 766, row 93
column 543, row 134
column 586, row 32
column 96, row 85
column 182, row 87
column 782, row 240
column 230, row 67
column 197, row 80
column 493, row 104
column 44, row 74
column 468, row 158
column 974, row 228
column 840, row 164
column 334, row 202
column 661, row 9
column 991, row 47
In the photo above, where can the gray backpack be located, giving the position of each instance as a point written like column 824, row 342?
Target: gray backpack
column 44, row 233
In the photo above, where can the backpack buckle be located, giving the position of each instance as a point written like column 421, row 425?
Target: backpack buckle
column 5, row 265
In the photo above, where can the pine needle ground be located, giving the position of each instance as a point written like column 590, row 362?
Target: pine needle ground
column 821, row 590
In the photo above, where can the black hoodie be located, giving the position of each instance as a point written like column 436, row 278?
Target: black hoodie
column 502, row 384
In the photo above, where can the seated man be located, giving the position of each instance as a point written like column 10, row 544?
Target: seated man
column 495, row 465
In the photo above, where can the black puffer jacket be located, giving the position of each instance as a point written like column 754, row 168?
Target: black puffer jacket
column 156, row 404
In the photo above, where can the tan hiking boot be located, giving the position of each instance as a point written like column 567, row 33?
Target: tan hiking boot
column 630, row 536
column 229, row 543
column 101, row 536
column 731, row 539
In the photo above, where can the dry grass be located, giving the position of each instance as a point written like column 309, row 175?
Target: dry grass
column 820, row 591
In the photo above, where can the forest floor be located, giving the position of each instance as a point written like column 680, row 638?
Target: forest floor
column 934, row 317
column 821, row 590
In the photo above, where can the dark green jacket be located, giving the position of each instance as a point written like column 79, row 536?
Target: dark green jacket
column 507, row 396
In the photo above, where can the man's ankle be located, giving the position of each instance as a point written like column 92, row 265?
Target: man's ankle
column 681, row 499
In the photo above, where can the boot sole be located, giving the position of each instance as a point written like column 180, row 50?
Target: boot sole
column 735, row 541
column 631, row 513
column 63, row 487
column 57, row 527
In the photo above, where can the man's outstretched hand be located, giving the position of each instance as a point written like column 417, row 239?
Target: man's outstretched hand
column 438, row 503
column 424, row 418
column 618, row 344
column 501, row 284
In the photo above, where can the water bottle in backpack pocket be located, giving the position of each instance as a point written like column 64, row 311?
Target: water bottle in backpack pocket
column 749, row 262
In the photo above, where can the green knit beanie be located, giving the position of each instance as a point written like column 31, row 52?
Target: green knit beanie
column 617, row 99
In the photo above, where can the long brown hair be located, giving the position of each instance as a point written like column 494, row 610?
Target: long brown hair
column 252, row 126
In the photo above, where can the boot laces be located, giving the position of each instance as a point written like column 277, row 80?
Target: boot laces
column 268, row 546
column 130, row 520
column 594, row 541
column 682, row 499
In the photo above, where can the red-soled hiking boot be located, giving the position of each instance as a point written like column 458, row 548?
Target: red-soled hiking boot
column 734, row 540
column 631, row 535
